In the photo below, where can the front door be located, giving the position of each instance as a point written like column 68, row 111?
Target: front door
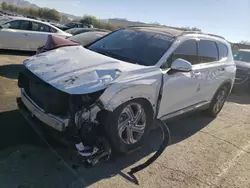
column 180, row 89
column 15, row 35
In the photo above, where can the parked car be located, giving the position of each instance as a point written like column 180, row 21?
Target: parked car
column 26, row 34
column 81, row 39
column 117, row 86
column 76, row 31
column 60, row 26
column 76, row 25
column 242, row 61
column 88, row 37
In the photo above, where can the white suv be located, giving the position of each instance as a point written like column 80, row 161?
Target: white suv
column 120, row 83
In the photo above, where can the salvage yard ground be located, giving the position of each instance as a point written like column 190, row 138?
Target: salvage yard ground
column 204, row 152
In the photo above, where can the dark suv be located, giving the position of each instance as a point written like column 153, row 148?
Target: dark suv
column 242, row 61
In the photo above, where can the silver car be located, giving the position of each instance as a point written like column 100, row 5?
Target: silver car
column 18, row 33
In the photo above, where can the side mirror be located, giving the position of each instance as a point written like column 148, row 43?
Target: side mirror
column 181, row 65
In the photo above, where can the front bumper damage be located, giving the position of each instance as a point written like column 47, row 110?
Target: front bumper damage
column 58, row 123
column 86, row 129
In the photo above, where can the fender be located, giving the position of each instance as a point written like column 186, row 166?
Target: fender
column 119, row 93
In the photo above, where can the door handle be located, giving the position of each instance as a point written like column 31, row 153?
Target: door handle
column 197, row 74
column 221, row 69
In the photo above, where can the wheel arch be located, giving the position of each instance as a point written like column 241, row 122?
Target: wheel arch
column 227, row 83
column 147, row 93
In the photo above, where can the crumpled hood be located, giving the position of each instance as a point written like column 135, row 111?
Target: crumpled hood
column 242, row 64
column 76, row 70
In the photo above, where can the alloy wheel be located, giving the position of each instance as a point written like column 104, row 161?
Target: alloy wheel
column 131, row 123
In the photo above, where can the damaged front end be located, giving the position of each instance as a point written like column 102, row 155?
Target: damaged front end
column 77, row 117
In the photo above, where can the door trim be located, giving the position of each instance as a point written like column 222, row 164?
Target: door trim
column 194, row 107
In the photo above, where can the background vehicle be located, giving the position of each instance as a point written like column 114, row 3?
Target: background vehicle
column 82, row 39
column 76, row 31
column 26, row 34
column 88, row 37
column 71, row 25
column 119, row 84
column 59, row 26
column 242, row 61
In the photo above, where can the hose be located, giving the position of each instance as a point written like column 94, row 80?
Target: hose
column 164, row 144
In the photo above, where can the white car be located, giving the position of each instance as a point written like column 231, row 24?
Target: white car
column 19, row 33
column 118, row 85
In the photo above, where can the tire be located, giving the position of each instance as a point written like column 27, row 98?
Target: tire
column 117, row 128
column 218, row 101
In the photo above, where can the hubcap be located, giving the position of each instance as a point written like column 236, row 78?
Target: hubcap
column 131, row 123
column 220, row 99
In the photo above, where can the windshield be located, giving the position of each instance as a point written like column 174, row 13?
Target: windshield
column 138, row 47
column 242, row 56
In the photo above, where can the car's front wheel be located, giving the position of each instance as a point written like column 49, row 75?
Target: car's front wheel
column 128, row 125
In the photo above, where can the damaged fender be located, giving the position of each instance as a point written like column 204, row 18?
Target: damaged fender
column 144, row 85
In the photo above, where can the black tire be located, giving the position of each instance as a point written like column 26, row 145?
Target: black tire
column 211, row 110
column 111, row 127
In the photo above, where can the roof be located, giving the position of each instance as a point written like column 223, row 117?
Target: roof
column 33, row 20
column 169, row 31
column 161, row 30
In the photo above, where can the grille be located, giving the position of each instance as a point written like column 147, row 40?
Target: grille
column 48, row 98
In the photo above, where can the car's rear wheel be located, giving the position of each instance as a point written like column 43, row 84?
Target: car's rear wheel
column 128, row 125
column 218, row 101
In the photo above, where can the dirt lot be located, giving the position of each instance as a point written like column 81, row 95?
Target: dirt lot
column 203, row 152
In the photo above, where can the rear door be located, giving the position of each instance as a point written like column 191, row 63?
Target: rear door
column 39, row 34
column 15, row 35
column 211, row 67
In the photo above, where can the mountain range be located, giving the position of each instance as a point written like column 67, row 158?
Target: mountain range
column 113, row 21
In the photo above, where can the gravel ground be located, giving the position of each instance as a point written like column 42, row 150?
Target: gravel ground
column 203, row 152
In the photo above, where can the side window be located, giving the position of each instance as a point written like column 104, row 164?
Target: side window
column 18, row 24
column 187, row 51
column 223, row 51
column 42, row 28
column 207, row 51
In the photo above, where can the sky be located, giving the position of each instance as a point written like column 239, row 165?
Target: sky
column 228, row 18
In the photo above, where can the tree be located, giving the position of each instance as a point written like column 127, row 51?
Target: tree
column 244, row 42
column 92, row 20
column 4, row 5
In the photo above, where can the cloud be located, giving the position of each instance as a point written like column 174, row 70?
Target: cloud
column 76, row 3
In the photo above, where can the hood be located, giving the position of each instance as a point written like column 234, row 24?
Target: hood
column 242, row 64
column 76, row 70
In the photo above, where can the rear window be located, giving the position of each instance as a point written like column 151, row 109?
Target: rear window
column 223, row 51
column 207, row 51
column 134, row 46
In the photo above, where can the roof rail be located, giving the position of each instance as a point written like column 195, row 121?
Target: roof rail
column 147, row 25
column 199, row 32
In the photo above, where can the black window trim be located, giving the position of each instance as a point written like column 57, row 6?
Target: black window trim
column 217, row 42
column 218, row 52
column 211, row 40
